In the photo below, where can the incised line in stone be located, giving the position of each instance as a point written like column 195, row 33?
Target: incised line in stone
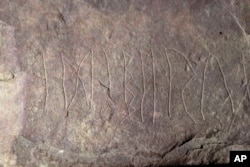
column 125, row 78
column 154, row 85
column 203, row 88
column 170, row 83
column 72, row 66
column 76, row 86
column 108, row 70
column 245, row 74
column 63, row 85
column 45, row 82
column 143, row 87
column 225, row 82
column 128, row 89
column 237, row 109
column 180, row 53
column 183, row 100
column 92, row 76
column 223, row 75
column 240, row 26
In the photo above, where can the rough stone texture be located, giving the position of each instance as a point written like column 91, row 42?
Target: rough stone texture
column 123, row 82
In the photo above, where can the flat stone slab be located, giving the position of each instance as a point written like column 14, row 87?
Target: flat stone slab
column 123, row 83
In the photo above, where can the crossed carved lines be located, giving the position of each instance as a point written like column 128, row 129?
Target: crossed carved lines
column 238, row 107
column 203, row 83
column 183, row 99
column 126, row 62
column 223, row 76
column 224, row 82
column 78, row 78
column 126, row 83
column 246, row 83
column 67, row 105
column 247, row 39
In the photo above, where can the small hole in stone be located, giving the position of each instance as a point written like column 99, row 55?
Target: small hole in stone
column 220, row 33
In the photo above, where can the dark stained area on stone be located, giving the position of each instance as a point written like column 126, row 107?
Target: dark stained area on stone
column 123, row 82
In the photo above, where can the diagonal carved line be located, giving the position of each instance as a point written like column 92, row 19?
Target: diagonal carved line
column 77, row 80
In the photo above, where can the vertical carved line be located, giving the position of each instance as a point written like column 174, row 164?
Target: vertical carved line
column 1, row 39
column 154, row 86
column 124, row 84
column 203, row 88
column 144, row 86
column 45, row 82
column 63, row 85
column 170, row 83
column 125, row 77
column 92, row 75
column 108, row 70
column 245, row 74
column 244, row 68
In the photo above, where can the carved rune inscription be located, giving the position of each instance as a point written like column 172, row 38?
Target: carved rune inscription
column 145, row 95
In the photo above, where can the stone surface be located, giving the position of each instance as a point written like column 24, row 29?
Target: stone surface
column 122, row 82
